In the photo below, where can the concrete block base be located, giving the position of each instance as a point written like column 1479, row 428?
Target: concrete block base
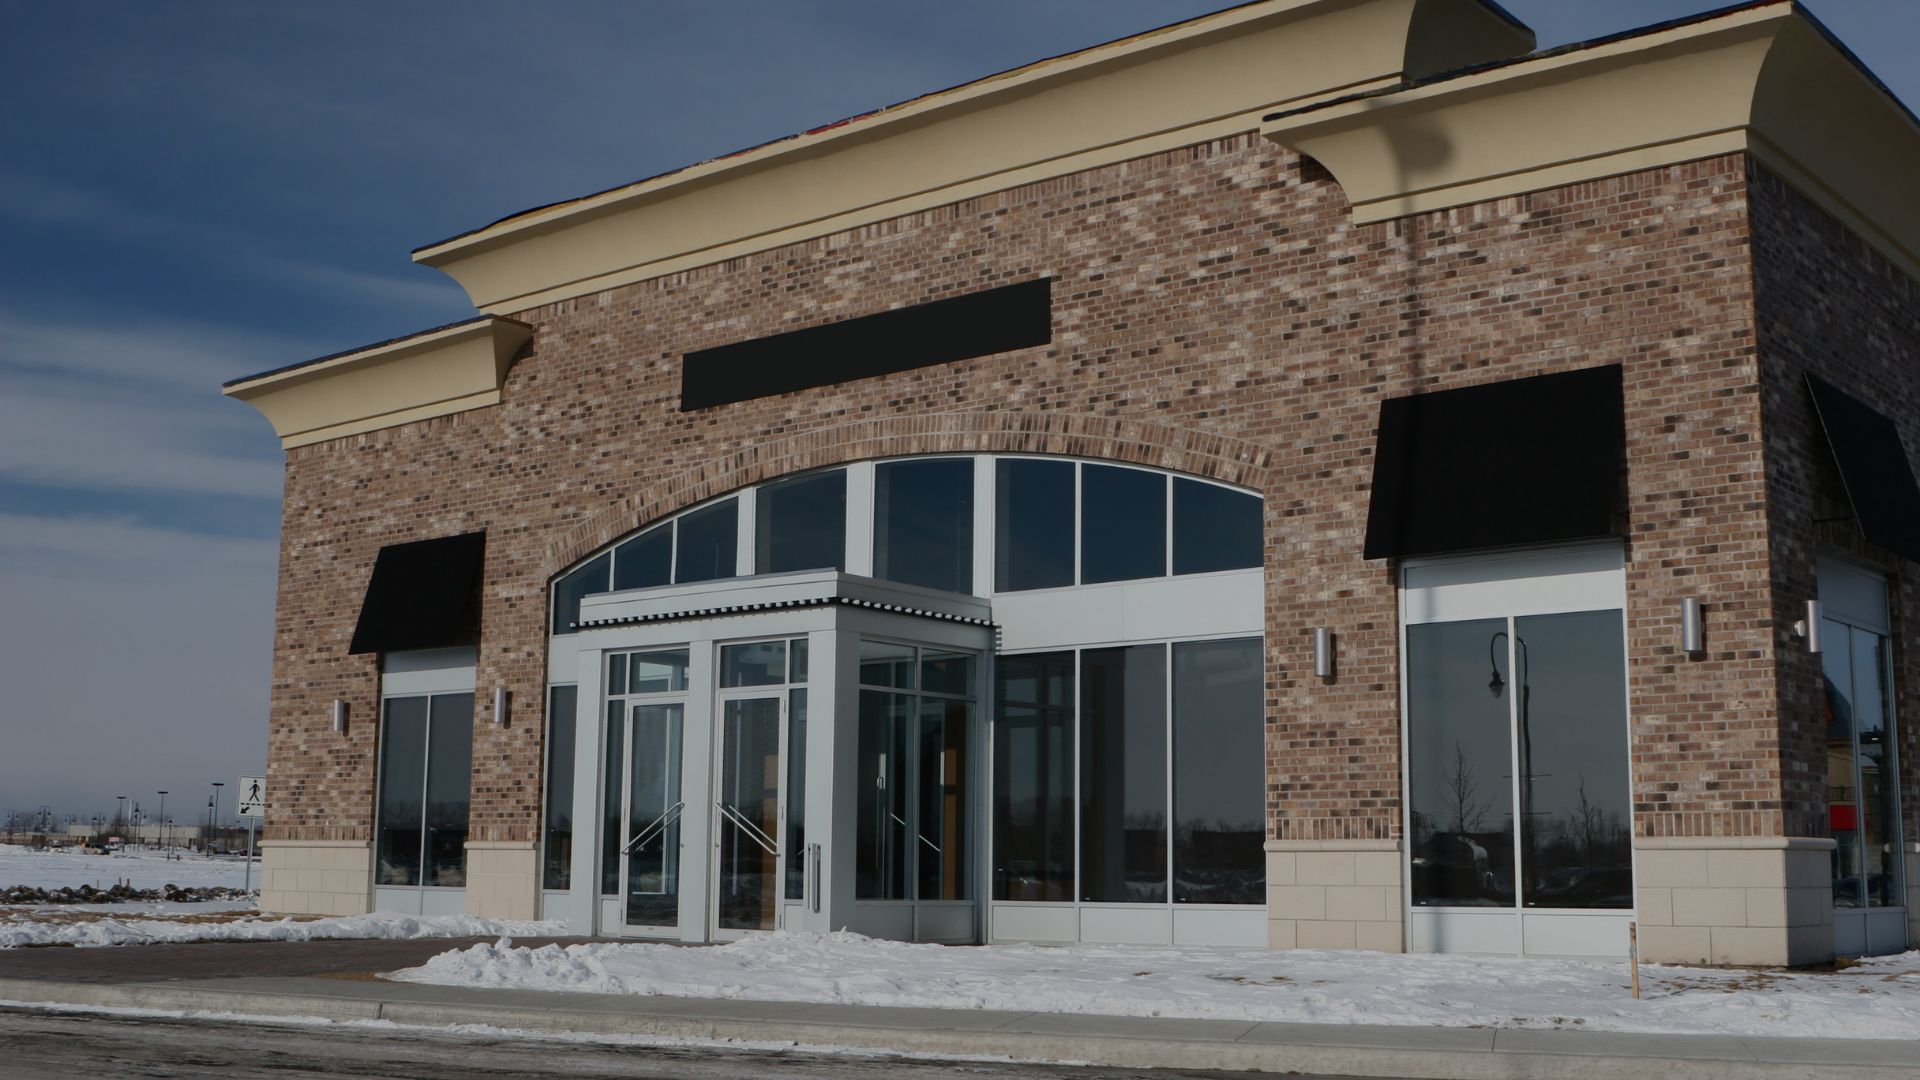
column 1335, row 894
column 316, row 877
column 503, row 879
column 1762, row 901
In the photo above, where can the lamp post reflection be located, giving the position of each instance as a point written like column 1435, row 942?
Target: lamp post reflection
column 1496, row 684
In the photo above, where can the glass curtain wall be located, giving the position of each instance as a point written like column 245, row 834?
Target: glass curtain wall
column 426, row 758
column 1159, row 750
column 1523, row 721
column 911, row 821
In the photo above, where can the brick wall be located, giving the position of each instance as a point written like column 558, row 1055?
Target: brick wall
column 1828, row 304
column 1217, row 313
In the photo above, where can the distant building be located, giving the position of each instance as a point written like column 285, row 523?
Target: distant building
column 1321, row 474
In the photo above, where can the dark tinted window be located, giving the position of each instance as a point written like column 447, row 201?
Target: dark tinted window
column 568, row 591
column 801, row 524
column 1460, row 764
column 561, row 701
column 1032, row 524
column 1219, row 773
column 1123, row 775
column 1213, row 528
column 645, row 560
column 1033, row 778
column 1123, row 524
column 923, row 523
column 709, row 540
column 403, row 766
column 449, row 780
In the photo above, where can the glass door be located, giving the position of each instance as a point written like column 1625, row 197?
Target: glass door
column 747, row 825
column 650, row 841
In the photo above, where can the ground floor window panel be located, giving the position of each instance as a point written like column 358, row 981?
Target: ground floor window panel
column 1158, row 751
column 912, row 837
column 557, row 827
column 1862, row 808
column 425, row 779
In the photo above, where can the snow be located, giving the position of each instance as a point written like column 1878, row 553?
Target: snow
column 145, row 869
column 47, row 925
column 1876, row 999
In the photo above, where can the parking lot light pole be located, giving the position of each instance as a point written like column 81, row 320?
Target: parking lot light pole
column 163, row 823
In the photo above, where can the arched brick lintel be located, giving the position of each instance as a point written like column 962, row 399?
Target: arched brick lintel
column 1215, row 457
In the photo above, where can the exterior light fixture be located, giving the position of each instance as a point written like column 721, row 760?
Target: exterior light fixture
column 1322, row 652
column 339, row 716
column 1691, row 641
column 500, row 706
column 1808, row 629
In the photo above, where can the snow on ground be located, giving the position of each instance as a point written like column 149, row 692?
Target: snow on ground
column 1877, row 999
column 48, row 925
column 144, row 869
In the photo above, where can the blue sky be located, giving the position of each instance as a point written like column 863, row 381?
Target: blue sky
column 194, row 191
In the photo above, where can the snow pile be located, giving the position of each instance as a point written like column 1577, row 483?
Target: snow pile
column 1878, row 999
column 144, row 869
column 19, row 930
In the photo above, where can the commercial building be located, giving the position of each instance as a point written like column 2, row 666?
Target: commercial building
column 1323, row 474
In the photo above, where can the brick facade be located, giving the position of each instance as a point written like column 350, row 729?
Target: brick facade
column 1216, row 313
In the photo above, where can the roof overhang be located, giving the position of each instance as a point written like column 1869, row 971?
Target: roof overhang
column 1204, row 79
column 1764, row 79
column 436, row 373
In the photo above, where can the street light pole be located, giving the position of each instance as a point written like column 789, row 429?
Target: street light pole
column 213, row 815
column 163, row 824
column 120, row 814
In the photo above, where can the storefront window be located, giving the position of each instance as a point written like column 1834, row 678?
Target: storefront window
column 1123, row 775
column 1214, row 528
column 911, row 824
column 1460, row 765
column 591, row 578
column 646, row 560
column 557, row 845
column 1033, row 524
column 801, row 524
column 425, row 779
column 1862, row 786
column 923, row 523
column 1219, row 773
column 707, row 543
column 1033, row 778
column 1123, row 523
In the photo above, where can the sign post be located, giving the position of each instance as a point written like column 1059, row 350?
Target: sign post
column 252, row 791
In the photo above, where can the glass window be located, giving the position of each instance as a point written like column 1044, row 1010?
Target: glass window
column 1213, row 528
column 449, row 786
column 923, row 523
column 1033, row 778
column 1032, row 524
column 882, row 663
column 756, row 663
column 946, row 673
column 1862, row 786
column 646, row 560
column 881, row 826
column 613, row 768
column 797, row 660
column 709, row 541
column 1460, row 764
column 796, row 794
column 1123, row 524
column 403, row 767
column 941, row 856
column 652, row 837
column 558, row 840
column 589, row 579
column 425, row 780
column 1576, row 844
column 661, row 672
column 801, row 524
column 1123, row 775
column 1219, row 773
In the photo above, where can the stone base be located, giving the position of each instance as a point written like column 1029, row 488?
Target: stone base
column 1760, row 901
column 1335, row 894
column 503, row 879
column 316, row 877
column 1913, row 895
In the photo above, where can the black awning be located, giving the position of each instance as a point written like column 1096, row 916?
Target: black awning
column 423, row 595
column 1874, row 468
column 1528, row 461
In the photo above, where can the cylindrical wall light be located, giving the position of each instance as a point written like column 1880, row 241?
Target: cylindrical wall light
column 1323, row 652
column 1814, row 614
column 1690, row 638
column 500, row 705
column 339, row 716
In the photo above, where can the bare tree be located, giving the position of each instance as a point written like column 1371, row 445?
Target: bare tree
column 1464, row 805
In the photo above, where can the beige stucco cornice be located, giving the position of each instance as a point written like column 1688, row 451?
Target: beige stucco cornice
column 436, row 373
column 1765, row 80
column 1192, row 82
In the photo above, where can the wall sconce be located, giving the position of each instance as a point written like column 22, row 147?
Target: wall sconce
column 500, row 706
column 1322, row 652
column 339, row 716
column 1808, row 629
column 1690, row 637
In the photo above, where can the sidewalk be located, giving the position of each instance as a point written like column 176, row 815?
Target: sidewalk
column 336, row 981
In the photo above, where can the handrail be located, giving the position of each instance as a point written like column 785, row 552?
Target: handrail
column 754, row 832
column 654, row 828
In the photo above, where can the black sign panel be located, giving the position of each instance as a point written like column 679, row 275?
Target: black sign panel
column 423, row 595
column 978, row 324
column 1874, row 467
column 1528, row 461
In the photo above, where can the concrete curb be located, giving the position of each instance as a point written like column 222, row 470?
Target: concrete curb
column 1581, row 1055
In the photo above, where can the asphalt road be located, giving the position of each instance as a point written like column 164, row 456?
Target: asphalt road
column 43, row 1045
